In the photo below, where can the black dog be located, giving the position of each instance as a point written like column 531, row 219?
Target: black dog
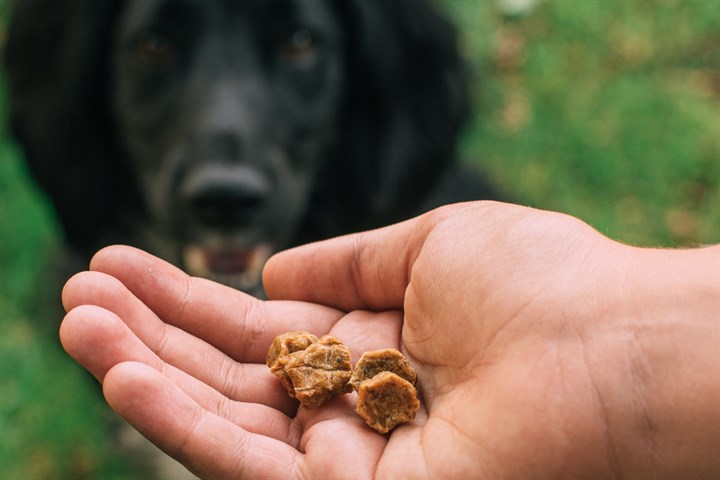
column 216, row 132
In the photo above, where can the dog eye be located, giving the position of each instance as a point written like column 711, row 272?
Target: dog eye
column 298, row 44
column 154, row 47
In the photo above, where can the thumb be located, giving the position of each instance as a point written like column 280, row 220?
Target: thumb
column 369, row 270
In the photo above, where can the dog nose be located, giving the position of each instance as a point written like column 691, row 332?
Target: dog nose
column 224, row 198
column 225, row 206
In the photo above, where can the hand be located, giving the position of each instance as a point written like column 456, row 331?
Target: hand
column 543, row 349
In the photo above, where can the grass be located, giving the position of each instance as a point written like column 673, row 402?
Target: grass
column 52, row 423
column 608, row 110
column 605, row 109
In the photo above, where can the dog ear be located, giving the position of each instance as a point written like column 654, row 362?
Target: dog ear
column 55, row 60
column 409, row 89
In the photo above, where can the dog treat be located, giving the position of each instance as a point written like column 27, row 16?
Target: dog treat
column 386, row 400
column 376, row 361
column 385, row 383
column 314, row 370
column 311, row 369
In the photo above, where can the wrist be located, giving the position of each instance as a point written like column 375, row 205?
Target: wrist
column 662, row 382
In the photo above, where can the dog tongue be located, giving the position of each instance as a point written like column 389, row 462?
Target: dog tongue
column 238, row 267
column 229, row 261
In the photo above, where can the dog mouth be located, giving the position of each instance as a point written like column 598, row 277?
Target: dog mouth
column 237, row 267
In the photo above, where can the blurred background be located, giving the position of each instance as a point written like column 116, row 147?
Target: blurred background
column 605, row 109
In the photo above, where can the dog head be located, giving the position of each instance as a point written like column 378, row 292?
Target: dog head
column 225, row 111
column 214, row 133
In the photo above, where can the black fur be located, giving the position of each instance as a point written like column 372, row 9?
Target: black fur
column 263, row 121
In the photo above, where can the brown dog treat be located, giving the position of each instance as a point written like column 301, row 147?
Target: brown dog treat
column 320, row 372
column 376, row 361
column 280, row 350
column 385, row 383
column 386, row 400
column 311, row 370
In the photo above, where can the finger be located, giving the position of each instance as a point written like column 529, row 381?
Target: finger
column 95, row 339
column 248, row 382
column 239, row 325
column 368, row 270
column 209, row 445
column 87, row 327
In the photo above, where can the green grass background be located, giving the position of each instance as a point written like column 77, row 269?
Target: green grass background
column 605, row 109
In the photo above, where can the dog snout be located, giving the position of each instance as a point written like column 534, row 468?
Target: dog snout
column 224, row 198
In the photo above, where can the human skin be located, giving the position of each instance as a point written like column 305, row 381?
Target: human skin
column 543, row 350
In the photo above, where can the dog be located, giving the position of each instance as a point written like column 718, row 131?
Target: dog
column 214, row 133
